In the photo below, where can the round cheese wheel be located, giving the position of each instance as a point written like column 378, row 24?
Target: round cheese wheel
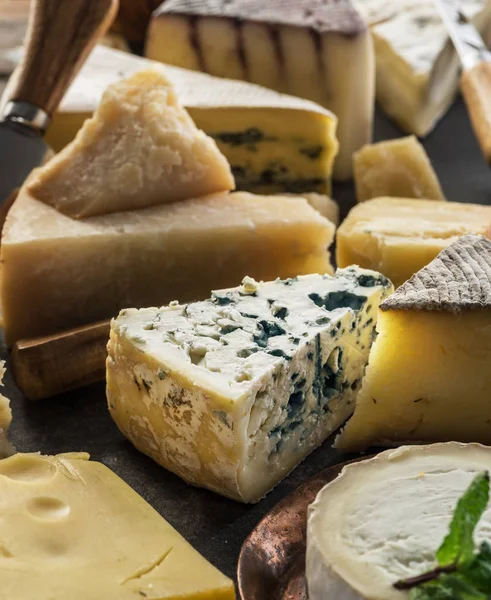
column 384, row 518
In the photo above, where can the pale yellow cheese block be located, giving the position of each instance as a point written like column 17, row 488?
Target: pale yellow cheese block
column 399, row 236
column 429, row 376
column 140, row 149
column 398, row 168
column 72, row 529
column 274, row 143
column 59, row 272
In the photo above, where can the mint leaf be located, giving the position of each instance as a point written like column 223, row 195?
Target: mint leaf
column 458, row 546
column 447, row 587
column 478, row 572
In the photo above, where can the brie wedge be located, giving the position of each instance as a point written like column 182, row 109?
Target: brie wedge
column 383, row 519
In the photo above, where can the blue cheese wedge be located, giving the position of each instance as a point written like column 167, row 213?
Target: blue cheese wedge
column 231, row 393
column 383, row 519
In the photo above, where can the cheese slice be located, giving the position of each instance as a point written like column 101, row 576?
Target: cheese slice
column 428, row 378
column 5, row 419
column 273, row 142
column 384, row 518
column 59, row 272
column 409, row 39
column 399, row 236
column 140, row 149
column 316, row 49
column 72, row 529
column 398, row 168
column 233, row 392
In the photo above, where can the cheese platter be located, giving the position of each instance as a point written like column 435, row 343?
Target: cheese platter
column 219, row 284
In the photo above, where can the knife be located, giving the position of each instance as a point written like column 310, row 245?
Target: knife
column 60, row 35
column 475, row 60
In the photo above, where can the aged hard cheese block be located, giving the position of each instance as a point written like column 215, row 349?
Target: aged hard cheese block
column 233, row 392
column 383, row 519
column 273, row 142
column 409, row 36
column 428, row 377
column 399, row 236
column 59, row 272
column 72, row 529
column 398, row 168
column 5, row 419
column 316, row 49
column 140, row 149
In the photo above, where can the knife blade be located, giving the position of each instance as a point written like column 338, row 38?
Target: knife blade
column 475, row 61
column 60, row 35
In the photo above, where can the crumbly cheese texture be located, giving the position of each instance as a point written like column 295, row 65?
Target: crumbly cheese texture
column 140, row 149
column 59, row 272
column 384, row 518
column 428, row 377
column 409, row 36
column 316, row 49
column 233, row 392
column 397, row 168
column 273, row 142
column 72, row 529
column 399, row 236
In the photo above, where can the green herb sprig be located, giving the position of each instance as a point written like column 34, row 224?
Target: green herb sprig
column 463, row 572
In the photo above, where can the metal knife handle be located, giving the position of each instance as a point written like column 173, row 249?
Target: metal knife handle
column 60, row 35
column 476, row 89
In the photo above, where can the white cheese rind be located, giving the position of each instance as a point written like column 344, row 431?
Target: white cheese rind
column 383, row 519
column 233, row 392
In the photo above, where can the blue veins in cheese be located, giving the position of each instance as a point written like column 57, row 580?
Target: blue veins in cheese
column 231, row 393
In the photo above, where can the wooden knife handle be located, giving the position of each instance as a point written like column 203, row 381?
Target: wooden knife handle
column 60, row 35
column 47, row 366
column 476, row 89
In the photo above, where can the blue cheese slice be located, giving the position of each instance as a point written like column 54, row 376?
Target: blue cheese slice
column 231, row 393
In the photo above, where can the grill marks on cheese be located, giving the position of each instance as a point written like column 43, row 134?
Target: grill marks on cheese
column 233, row 392
column 399, row 236
column 317, row 50
column 428, row 377
column 140, row 149
column 79, row 532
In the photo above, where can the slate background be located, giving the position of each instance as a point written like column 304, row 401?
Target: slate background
column 214, row 525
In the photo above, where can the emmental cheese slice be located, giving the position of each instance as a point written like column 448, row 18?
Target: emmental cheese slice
column 59, row 272
column 397, row 168
column 384, row 518
column 72, row 529
column 140, row 149
column 273, row 142
column 316, row 49
column 233, row 392
column 429, row 376
column 399, row 236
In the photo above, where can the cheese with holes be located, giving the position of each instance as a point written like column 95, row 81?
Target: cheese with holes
column 429, row 378
column 59, row 272
column 384, row 518
column 399, row 236
column 409, row 37
column 233, row 392
column 140, row 149
column 273, row 142
column 398, row 168
column 316, row 49
column 72, row 529
column 5, row 419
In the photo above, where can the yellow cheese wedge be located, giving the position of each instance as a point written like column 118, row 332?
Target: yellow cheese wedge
column 316, row 49
column 140, row 149
column 273, row 142
column 327, row 207
column 399, row 236
column 72, row 529
column 429, row 376
column 59, row 272
column 399, row 168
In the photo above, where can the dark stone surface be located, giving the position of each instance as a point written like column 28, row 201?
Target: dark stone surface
column 214, row 525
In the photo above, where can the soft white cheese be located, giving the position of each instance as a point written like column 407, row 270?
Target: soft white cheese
column 384, row 518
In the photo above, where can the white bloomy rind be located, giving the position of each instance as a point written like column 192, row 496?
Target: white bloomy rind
column 384, row 518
